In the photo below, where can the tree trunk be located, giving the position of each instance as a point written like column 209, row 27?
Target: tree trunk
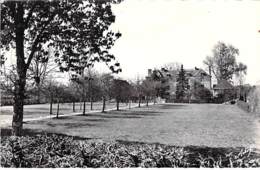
column 90, row 93
column 38, row 93
column 58, row 109
column 73, row 106
column 51, row 105
column 91, row 103
column 84, row 100
column 239, row 92
column 117, row 105
column 84, row 107
column 80, row 105
column 104, row 104
column 17, row 122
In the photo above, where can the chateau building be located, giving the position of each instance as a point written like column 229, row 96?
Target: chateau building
column 197, row 78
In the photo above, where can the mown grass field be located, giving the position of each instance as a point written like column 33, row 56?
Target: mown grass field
column 174, row 124
column 43, row 110
column 166, row 135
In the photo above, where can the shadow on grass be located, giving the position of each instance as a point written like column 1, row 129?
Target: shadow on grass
column 68, row 122
column 172, row 106
column 111, row 116
column 96, row 120
column 31, row 133
column 62, row 118
column 72, row 125
column 138, row 113
column 123, row 114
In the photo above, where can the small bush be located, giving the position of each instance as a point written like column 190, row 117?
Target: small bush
column 254, row 100
column 233, row 102
column 53, row 151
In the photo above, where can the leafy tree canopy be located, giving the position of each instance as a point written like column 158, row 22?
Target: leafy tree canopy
column 223, row 62
column 78, row 31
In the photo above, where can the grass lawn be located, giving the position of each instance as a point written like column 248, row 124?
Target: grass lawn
column 41, row 110
column 174, row 124
column 166, row 135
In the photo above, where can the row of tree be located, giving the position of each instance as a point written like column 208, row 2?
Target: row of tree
column 93, row 87
column 89, row 86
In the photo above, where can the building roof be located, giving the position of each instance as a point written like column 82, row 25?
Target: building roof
column 197, row 72
column 222, row 85
column 173, row 74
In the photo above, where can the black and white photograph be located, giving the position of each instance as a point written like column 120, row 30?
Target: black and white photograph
column 130, row 84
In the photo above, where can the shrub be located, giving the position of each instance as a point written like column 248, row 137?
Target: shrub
column 254, row 99
column 53, row 151
column 233, row 102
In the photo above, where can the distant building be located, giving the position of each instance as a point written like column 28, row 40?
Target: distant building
column 197, row 78
column 222, row 86
column 224, row 90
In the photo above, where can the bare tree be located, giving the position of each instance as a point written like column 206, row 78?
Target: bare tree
column 8, row 78
column 85, row 82
column 75, row 94
column 241, row 71
column 137, row 85
column 41, row 66
column 106, row 81
column 149, row 89
column 49, row 91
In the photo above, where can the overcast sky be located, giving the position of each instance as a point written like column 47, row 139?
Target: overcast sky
column 155, row 32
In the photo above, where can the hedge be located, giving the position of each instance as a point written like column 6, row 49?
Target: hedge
column 56, row 151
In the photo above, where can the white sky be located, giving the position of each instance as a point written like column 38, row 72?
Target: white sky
column 155, row 32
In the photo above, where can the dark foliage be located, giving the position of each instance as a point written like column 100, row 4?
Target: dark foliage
column 201, row 93
column 53, row 151
column 121, row 90
column 161, row 78
column 182, row 84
